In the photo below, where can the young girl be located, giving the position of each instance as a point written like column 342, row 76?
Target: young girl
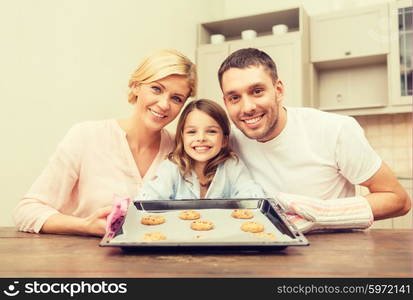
column 202, row 164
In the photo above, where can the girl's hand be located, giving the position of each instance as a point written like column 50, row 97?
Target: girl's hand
column 95, row 224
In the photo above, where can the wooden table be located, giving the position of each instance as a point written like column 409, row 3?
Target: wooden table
column 372, row 253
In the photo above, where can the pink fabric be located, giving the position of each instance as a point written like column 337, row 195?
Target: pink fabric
column 91, row 164
column 115, row 219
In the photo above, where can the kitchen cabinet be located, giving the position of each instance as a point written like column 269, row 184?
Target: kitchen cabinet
column 346, row 88
column 400, row 59
column 359, row 87
column 290, row 51
column 351, row 33
column 209, row 59
column 366, row 68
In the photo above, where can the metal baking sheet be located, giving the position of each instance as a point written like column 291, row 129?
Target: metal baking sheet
column 226, row 233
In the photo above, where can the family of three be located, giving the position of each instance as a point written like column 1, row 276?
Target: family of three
column 306, row 159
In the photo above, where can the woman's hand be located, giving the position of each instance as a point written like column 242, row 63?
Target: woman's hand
column 95, row 224
column 117, row 216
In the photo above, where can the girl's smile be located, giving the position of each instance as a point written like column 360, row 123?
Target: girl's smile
column 201, row 149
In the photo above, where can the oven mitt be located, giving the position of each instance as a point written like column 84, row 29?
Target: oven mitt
column 302, row 224
column 311, row 214
column 114, row 220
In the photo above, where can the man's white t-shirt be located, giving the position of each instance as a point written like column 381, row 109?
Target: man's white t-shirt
column 318, row 154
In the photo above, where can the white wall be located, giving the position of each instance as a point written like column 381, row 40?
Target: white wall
column 65, row 61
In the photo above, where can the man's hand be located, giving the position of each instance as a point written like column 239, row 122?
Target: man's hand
column 302, row 224
column 310, row 214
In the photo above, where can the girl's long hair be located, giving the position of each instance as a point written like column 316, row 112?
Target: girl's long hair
column 182, row 159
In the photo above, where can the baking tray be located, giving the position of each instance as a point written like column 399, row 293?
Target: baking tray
column 226, row 234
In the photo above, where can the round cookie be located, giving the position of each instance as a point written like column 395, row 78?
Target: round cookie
column 154, row 236
column 152, row 220
column 266, row 235
column 252, row 227
column 242, row 214
column 202, row 225
column 189, row 215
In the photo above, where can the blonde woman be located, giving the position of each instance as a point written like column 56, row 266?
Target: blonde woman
column 202, row 164
column 98, row 159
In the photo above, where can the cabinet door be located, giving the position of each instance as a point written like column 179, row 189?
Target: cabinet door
column 333, row 87
column 348, row 88
column 285, row 51
column 355, row 33
column 400, row 62
column 209, row 59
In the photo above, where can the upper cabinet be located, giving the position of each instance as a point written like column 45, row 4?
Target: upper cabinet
column 290, row 51
column 360, row 60
column 349, row 34
column 400, row 59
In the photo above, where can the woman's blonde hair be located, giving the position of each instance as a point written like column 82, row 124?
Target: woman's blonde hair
column 182, row 159
column 161, row 64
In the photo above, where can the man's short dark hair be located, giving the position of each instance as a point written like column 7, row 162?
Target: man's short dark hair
column 245, row 58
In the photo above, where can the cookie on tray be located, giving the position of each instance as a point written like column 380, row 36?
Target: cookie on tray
column 152, row 220
column 265, row 235
column 252, row 227
column 242, row 214
column 202, row 225
column 154, row 236
column 189, row 215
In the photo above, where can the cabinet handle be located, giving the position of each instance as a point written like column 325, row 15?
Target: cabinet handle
column 347, row 53
column 339, row 98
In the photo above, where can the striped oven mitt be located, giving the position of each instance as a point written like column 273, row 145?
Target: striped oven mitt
column 312, row 214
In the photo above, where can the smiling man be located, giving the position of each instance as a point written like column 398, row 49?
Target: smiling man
column 307, row 159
